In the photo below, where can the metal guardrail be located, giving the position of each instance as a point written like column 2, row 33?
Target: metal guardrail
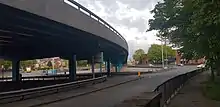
column 91, row 14
column 54, row 77
column 169, row 88
column 49, row 77
column 7, row 97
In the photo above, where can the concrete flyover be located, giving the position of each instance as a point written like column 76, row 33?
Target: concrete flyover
column 31, row 29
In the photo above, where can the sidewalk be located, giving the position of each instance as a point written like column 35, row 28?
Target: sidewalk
column 191, row 95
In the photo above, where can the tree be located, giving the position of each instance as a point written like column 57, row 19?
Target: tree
column 82, row 63
column 191, row 24
column 155, row 52
column 49, row 64
column 139, row 55
column 6, row 64
column 27, row 63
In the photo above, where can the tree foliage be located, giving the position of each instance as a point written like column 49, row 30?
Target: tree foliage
column 191, row 24
column 27, row 63
column 139, row 55
column 82, row 63
column 6, row 64
column 155, row 52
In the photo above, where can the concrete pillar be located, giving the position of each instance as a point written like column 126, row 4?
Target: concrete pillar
column 15, row 70
column 120, row 67
column 93, row 67
column 72, row 68
column 101, row 61
column 100, row 67
column 108, row 68
column 116, row 68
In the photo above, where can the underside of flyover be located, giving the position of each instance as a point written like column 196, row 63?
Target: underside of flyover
column 24, row 36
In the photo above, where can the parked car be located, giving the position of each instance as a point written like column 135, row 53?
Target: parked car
column 151, row 65
column 44, row 72
column 180, row 64
column 201, row 66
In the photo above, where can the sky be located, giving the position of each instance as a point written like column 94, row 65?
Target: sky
column 129, row 18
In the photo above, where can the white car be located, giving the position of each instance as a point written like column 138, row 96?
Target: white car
column 180, row 64
column 151, row 65
column 201, row 66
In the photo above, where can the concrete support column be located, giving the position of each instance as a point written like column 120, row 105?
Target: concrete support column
column 15, row 70
column 120, row 67
column 116, row 68
column 72, row 68
column 100, row 67
column 108, row 68
column 101, row 61
column 93, row 67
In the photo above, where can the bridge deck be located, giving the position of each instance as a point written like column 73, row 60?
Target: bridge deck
column 47, row 28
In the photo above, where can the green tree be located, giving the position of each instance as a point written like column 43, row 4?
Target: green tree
column 27, row 63
column 49, row 64
column 139, row 55
column 191, row 24
column 82, row 63
column 155, row 52
column 7, row 64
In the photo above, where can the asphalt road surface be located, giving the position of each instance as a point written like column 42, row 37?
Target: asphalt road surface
column 115, row 95
column 40, row 73
column 111, row 96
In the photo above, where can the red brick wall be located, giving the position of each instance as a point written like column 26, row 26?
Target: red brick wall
column 178, row 57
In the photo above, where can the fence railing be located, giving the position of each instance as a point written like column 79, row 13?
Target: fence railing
column 7, row 97
column 94, row 16
column 170, row 87
column 55, row 77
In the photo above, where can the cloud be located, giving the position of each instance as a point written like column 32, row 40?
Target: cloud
column 129, row 17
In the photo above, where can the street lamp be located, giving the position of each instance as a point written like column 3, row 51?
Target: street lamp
column 162, row 52
column 162, row 58
column 166, row 52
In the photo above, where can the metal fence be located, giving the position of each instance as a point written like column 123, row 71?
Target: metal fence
column 7, row 97
column 169, row 88
column 55, row 77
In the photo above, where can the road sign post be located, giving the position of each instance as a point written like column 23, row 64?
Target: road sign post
column 139, row 74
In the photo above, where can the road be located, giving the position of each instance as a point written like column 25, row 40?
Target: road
column 111, row 96
column 39, row 73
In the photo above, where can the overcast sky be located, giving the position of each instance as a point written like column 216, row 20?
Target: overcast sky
column 128, row 17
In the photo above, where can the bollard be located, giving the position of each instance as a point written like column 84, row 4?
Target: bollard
column 139, row 74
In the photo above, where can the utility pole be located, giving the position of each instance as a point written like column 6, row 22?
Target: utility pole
column 162, row 51
column 166, row 52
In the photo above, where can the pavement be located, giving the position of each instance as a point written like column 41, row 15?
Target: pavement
column 108, row 97
column 191, row 94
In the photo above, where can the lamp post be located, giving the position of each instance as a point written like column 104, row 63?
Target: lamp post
column 166, row 52
column 162, row 52
column 162, row 58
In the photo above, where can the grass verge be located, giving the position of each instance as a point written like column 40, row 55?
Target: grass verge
column 211, row 89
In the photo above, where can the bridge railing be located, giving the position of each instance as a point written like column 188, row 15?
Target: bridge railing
column 7, row 97
column 94, row 16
